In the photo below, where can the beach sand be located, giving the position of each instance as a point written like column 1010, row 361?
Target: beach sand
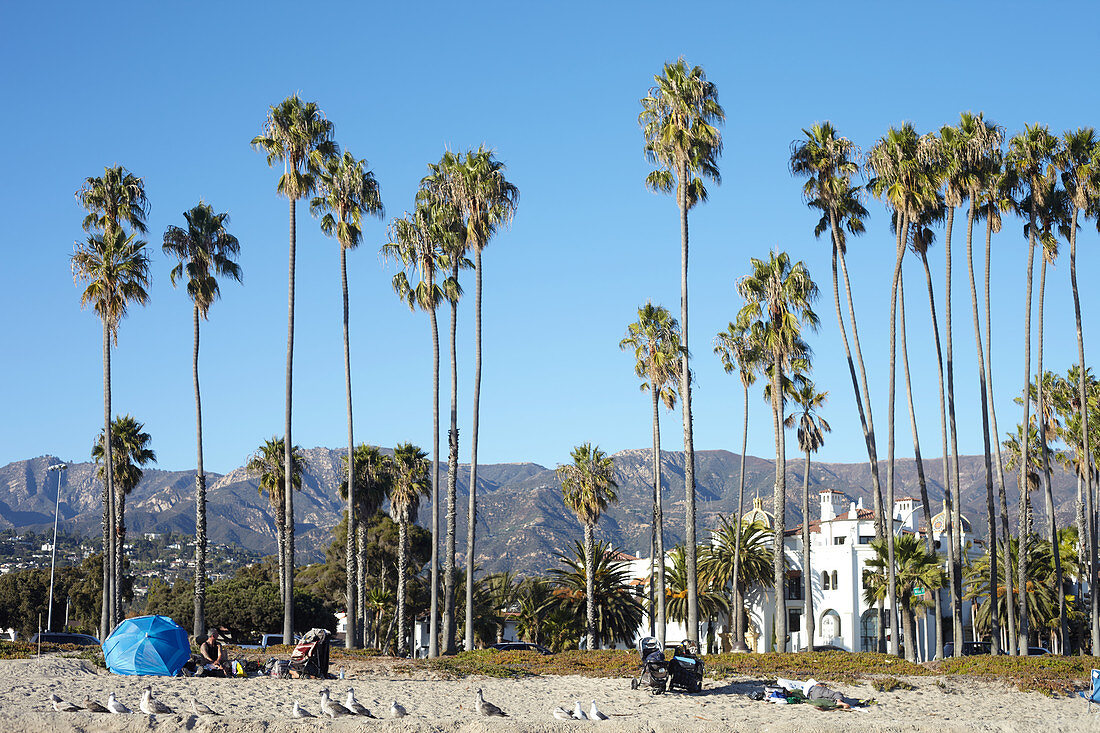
column 264, row 704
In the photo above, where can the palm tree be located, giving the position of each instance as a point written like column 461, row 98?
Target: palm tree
column 588, row 485
column 115, row 267
column 1079, row 160
column 738, row 559
column 268, row 464
column 916, row 568
column 370, row 482
column 410, row 484
column 204, row 251
column 486, row 200
column 811, row 436
column 1029, row 155
column 415, row 244
column 297, row 135
column 778, row 302
column 130, row 450
column 1039, row 586
column 679, row 121
column 655, row 338
column 348, row 192
column 596, row 580
column 712, row 602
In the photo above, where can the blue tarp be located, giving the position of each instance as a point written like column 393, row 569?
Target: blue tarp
column 153, row 645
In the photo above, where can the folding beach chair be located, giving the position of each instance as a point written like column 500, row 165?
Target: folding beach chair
column 1092, row 696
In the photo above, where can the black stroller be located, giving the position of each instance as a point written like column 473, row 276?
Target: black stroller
column 686, row 668
column 654, row 671
column 310, row 657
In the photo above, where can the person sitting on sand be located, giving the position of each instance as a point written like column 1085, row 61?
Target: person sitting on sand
column 814, row 690
column 213, row 654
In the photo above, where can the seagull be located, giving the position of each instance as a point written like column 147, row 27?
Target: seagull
column 115, row 706
column 488, row 708
column 398, row 711
column 63, row 707
column 356, row 707
column 562, row 714
column 149, row 706
column 578, row 712
column 300, row 712
column 330, row 708
column 595, row 714
column 199, row 709
column 94, row 707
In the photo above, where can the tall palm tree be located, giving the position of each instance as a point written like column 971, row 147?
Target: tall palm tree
column 738, row 351
column 415, row 244
column 115, row 268
column 811, row 436
column 916, row 567
column 1079, row 161
column 347, row 193
column 130, row 452
column 204, row 251
column 1028, row 157
column 588, row 486
column 738, row 559
column 601, row 583
column 900, row 175
column 778, row 302
column 410, row 484
column 679, row 120
column 1038, row 588
column 370, row 483
column 268, row 464
column 476, row 185
column 655, row 338
column 297, row 135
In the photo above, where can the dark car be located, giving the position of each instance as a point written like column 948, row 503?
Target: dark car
column 520, row 646
column 57, row 637
column 828, row 648
column 970, row 648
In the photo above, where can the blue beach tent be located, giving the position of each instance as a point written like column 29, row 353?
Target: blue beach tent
column 153, row 645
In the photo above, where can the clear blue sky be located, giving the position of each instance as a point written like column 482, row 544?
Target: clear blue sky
column 175, row 92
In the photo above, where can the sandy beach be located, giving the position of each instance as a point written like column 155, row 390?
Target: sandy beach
column 264, row 704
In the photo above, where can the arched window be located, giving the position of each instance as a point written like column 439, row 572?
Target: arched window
column 825, row 580
column 835, row 585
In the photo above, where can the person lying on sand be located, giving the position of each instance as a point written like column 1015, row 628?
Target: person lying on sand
column 213, row 654
column 814, row 690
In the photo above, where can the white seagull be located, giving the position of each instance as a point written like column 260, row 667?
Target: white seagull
column 595, row 714
column 578, row 712
column 562, row 714
column 199, row 709
column 356, row 707
column 115, row 706
column 331, row 708
column 300, row 712
column 398, row 711
column 488, row 708
column 62, row 706
column 149, row 706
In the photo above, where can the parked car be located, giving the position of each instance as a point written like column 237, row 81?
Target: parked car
column 1036, row 651
column 970, row 648
column 272, row 640
column 58, row 637
column 520, row 646
column 828, row 648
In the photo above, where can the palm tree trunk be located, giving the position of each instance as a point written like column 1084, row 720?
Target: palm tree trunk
column 351, row 588
column 738, row 613
column 690, row 560
column 452, row 491
column 1024, row 449
column 1052, row 525
column 910, row 637
column 891, row 570
column 946, row 470
column 433, row 614
column 658, row 522
column 402, row 561
column 200, row 498
column 1086, row 452
column 779, row 507
column 956, row 507
column 807, row 576
column 471, row 517
column 288, row 445
column 280, row 531
column 361, row 571
column 120, row 533
column 1010, row 603
column 109, row 616
column 994, row 611
column 589, row 586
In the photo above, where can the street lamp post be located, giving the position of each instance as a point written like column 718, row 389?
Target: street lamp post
column 59, row 467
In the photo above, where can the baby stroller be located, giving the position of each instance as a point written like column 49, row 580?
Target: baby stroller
column 654, row 671
column 310, row 657
column 686, row 668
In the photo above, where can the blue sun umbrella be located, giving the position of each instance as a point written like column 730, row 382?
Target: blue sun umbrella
column 147, row 645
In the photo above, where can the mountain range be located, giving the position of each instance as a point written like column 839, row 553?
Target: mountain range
column 522, row 521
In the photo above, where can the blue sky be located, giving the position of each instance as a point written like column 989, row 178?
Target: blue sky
column 176, row 91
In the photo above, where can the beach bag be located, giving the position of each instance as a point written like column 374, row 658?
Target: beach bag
column 237, row 669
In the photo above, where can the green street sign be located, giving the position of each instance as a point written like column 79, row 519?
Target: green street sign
column 918, row 591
